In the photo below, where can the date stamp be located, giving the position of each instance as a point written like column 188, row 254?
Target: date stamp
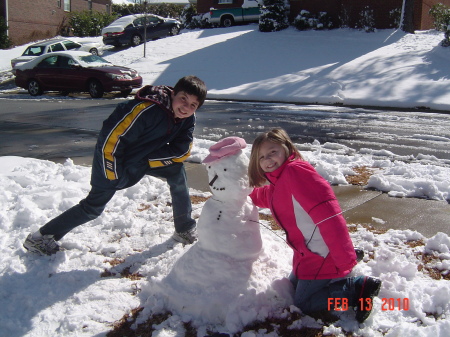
column 366, row 304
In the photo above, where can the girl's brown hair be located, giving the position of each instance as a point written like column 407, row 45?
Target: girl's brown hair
column 278, row 136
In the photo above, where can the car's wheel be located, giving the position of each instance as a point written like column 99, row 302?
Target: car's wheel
column 34, row 88
column 227, row 21
column 136, row 40
column 95, row 89
column 175, row 30
column 125, row 93
column 94, row 51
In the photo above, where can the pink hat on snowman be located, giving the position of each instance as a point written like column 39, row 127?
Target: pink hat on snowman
column 224, row 148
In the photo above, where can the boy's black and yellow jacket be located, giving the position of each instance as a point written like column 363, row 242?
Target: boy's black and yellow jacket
column 140, row 133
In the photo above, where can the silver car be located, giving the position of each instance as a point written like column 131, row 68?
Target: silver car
column 53, row 45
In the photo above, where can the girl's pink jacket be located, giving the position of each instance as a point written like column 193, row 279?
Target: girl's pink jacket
column 304, row 204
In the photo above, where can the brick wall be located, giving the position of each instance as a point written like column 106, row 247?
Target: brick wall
column 422, row 20
column 31, row 20
column 352, row 8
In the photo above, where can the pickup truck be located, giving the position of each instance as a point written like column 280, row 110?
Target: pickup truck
column 227, row 17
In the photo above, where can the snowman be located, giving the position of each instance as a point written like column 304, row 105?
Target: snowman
column 229, row 220
column 207, row 281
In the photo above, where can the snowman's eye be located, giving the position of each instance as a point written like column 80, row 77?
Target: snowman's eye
column 209, row 167
column 224, row 169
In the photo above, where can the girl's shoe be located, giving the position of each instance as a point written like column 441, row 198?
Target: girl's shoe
column 369, row 288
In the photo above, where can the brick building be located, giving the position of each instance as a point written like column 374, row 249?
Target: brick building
column 30, row 20
column 335, row 8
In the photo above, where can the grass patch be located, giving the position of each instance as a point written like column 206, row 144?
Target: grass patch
column 280, row 326
column 363, row 173
column 124, row 273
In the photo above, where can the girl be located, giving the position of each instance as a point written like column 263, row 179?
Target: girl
column 304, row 204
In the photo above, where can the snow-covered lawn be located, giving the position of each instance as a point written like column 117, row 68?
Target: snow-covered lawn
column 85, row 289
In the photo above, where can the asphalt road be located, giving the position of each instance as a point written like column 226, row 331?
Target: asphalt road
column 55, row 127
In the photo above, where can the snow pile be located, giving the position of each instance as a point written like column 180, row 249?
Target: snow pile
column 113, row 264
column 426, row 177
column 412, row 180
column 387, row 68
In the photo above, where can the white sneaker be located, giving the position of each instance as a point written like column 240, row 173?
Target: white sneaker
column 186, row 238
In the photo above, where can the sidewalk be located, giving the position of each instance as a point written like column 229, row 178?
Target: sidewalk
column 360, row 206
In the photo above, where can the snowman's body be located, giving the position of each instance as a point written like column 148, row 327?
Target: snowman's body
column 229, row 221
column 210, row 277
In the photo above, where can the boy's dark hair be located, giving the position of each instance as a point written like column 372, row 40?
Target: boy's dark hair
column 192, row 85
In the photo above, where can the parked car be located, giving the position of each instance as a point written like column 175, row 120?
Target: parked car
column 44, row 47
column 229, row 16
column 129, row 30
column 75, row 71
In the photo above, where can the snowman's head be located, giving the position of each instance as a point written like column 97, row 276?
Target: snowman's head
column 227, row 169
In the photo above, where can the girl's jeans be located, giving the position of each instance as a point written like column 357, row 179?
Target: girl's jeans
column 321, row 295
column 94, row 204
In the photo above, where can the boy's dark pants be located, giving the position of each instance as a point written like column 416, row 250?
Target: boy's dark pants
column 94, row 204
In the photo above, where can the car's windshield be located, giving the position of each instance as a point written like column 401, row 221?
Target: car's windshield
column 92, row 61
column 34, row 51
column 71, row 45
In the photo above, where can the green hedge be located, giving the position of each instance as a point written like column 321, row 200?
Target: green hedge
column 164, row 10
column 5, row 42
column 441, row 16
column 87, row 23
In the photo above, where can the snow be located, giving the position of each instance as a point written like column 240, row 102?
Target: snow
column 83, row 290
column 388, row 68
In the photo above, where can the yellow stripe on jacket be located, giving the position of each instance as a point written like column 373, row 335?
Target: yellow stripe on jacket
column 113, row 139
column 168, row 161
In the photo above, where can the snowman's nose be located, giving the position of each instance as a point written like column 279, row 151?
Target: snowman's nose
column 213, row 180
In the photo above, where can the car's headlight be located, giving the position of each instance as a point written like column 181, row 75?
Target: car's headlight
column 119, row 77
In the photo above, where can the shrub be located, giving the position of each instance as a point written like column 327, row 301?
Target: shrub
column 441, row 16
column 305, row 20
column 344, row 17
column 5, row 42
column 395, row 15
column 187, row 15
column 164, row 9
column 87, row 23
column 191, row 20
column 273, row 16
column 366, row 20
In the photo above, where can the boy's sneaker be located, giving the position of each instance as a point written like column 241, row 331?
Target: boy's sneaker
column 44, row 245
column 369, row 288
column 186, row 238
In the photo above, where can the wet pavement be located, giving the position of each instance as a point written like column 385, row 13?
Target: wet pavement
column 375, row 208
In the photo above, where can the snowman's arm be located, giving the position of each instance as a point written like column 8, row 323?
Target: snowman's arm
column 250, row 211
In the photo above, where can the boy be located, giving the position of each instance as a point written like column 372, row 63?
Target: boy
column 151, row 134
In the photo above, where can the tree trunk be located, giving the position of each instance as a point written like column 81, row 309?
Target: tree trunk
column 407, row 24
